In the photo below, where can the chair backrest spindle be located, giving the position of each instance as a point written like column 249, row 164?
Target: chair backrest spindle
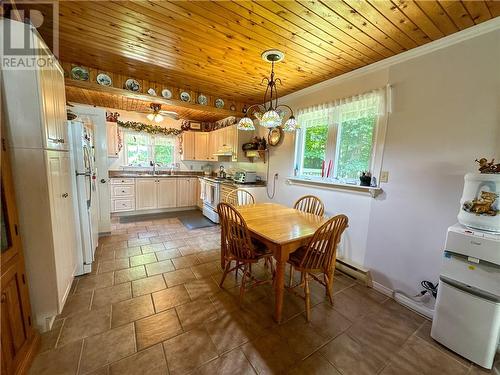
column 235, row 232
column 321, row 250
column 310, row 204
column 240, row 197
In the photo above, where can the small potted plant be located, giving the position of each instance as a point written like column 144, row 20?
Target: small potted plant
column 365, row 178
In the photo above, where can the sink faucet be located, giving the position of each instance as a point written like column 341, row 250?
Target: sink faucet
column 154, row 165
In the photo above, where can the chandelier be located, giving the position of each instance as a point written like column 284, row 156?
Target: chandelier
column 270, row 116
column 155, row 115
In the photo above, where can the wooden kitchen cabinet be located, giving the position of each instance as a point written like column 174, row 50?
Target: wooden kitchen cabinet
column 188, row 146
column 167, row 192
column 201, row 146
column 145, row 194
column 186, row 192
column 213, row 145
column 113, row 139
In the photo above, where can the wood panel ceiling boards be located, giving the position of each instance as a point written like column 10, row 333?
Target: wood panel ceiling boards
column 214, row 47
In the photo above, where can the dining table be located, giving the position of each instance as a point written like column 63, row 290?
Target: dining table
column 283, row 230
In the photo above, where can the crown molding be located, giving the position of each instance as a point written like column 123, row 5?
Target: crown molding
column 471, row 32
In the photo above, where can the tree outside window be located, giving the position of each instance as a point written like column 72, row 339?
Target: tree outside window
column 140, row 149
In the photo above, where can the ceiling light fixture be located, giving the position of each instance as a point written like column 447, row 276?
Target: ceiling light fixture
column 271, row 116
column 155, row 116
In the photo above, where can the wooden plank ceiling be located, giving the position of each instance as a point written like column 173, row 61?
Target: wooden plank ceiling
column 214, row 47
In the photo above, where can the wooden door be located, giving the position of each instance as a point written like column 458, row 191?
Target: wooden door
column 19, row 340
column 201, row 146
column 194, row 192
column 186, row 190
column 145, row 194
column 167, row 192
column 65, row 256
column 188, row 146
column 60, row 107
column 212, row 145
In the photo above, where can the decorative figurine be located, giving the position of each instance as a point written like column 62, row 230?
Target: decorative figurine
column 488, row 167
column 112, row 116
column 365, row 179
column 482, row 205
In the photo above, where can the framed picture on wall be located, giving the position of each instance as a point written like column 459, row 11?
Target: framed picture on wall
column 195, row 126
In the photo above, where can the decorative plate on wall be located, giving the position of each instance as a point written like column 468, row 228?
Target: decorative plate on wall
column 202, row 99
column 275, row 136
column 132, row 85
column 151, row 91
column 219, row 103
column 79, row 73
column 185, row 97
column 103, row 79
column 166, row 93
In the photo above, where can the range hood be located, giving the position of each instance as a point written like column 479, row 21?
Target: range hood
column 224, row 151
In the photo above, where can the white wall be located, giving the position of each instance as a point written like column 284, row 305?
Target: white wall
column 445, row 114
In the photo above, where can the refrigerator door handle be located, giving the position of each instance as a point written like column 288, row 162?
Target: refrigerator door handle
column 470, row 289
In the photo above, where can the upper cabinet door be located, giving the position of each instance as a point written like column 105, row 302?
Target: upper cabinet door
column 188, row 146
column 112, row 139
column 53, row 101
column 201, row 146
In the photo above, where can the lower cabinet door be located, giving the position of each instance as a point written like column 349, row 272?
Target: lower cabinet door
column 145, row 194
column 167, row 192
column 186, row 192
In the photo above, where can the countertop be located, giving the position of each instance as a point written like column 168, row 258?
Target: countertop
column 230, row 182
column 149, row 175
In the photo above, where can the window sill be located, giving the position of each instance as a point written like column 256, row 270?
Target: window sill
column 374, row 191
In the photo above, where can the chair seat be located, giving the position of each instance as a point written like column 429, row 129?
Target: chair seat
column 260, row 248
column 297, row 256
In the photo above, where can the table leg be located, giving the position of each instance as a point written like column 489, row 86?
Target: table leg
column 279, row 289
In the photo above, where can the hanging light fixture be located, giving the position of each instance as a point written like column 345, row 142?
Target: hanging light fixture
column 269, row 115
column 155, row 115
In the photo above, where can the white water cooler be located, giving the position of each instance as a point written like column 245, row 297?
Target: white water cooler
column 467, row 315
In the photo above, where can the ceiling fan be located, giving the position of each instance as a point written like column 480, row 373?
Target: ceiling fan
column 156, row 114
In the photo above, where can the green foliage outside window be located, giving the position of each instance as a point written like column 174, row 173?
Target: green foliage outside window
column 137, row 151
column 315, row 138
column 355, row 147
column 164, row 154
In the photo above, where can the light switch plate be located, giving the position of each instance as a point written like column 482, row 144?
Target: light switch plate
column 384, row 176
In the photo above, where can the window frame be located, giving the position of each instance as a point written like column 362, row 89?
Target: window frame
column 332, row 148
column 151, row 143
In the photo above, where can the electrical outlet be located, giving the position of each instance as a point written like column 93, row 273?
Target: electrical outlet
column 384, row 176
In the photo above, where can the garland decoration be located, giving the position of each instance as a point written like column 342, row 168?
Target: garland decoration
column 151, row 129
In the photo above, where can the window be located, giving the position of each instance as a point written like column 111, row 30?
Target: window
column 142, row 148
column 343, row 135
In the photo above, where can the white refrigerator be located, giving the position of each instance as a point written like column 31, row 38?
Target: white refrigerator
column 85, row 191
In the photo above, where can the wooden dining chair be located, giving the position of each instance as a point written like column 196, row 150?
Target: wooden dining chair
column 239, row 197
column 318, row 256
column 240, row 248
column 310, row 204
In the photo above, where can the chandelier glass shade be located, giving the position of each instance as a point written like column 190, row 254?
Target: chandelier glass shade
column 290, row 125
column 270, row 119
column 246, row 123
column 156, row 117
column 269, row 115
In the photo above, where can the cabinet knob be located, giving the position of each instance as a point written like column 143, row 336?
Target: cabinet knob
column 60, row 140
column 65, row 195
column 103, row 180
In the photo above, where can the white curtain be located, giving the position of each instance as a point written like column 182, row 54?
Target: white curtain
column 351, row 108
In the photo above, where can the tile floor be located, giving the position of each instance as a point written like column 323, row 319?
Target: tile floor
column 153, row 306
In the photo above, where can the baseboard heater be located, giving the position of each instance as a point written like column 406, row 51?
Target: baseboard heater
column 355, row 270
